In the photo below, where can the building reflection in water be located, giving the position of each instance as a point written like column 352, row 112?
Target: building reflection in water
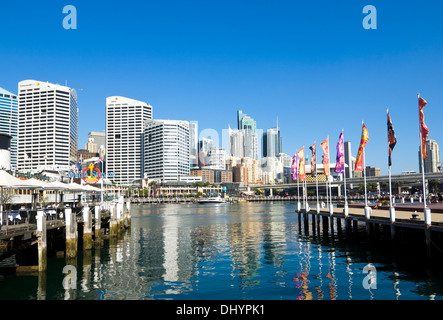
column 182, row 251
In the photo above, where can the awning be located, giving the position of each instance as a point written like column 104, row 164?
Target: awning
column 9, row 181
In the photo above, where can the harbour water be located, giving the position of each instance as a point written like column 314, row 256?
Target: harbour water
column 238, row 251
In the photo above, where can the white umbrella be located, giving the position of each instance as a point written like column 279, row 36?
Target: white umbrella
column 9, row 181
column 57, row 185
column 38, row 184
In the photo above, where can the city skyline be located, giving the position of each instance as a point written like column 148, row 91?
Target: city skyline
column 318, row 72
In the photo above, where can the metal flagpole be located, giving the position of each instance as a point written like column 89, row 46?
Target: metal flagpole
column 331, row 206
column 101, row 186
column 316, row 178
column 427, row 211
column 298, row 194
column 303, row 185
column 367, row 209
column 391, row 207
column 327, row 191
column 346, row 209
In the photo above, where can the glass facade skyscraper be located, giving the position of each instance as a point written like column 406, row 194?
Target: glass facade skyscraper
column 8, row 120
column 272, row 142
column 248, row 128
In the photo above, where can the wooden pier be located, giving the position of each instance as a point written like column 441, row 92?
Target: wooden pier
column 61, row 234
column 408, row 225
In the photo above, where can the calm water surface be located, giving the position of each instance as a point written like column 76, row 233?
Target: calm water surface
column 229, row 251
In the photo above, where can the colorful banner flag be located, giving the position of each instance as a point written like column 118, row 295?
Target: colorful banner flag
column 363, row 141
column 340, row 159
column 301, row 167
column 392, row 140
column 294, row 167
column 325, row 147
column 423, row 128
column 313, row 161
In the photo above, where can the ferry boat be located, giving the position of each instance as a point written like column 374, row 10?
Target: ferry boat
column 211, row 200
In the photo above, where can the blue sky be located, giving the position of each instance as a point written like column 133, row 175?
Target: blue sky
column 309, row 63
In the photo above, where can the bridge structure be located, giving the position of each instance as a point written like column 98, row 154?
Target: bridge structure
column 415, row 178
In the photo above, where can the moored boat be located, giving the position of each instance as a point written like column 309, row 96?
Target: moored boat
column 211, row 200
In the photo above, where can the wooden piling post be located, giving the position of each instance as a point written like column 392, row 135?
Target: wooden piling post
column 42, row 243
column 339, row 227
column 113, row 225
column 325, row 225
column 128, row 214
column 120, row 206
column 87, row 228
column 313, row 217
column 71, row 234
column 98, row 224
column 306, row 222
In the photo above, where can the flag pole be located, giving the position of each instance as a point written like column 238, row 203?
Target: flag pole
column 426, row 210
column 331, row 207
column 346, row 210
column 298, row 179
column 316, row 178
column 367, row 209
column 389, row 168
column 391, row 206
column 303, row 183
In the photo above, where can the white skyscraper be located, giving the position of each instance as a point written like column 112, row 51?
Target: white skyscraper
column 432, row 157
column 47, row 126
column 166, row 144
column 217, row 158
column 236, row 143
column 125, row 119
column 193, row 143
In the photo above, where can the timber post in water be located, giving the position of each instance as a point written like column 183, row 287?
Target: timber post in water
column 113, row 222
column 42, row 243
column 87, row 228
column 71, row 234
column 98, row 225
column 128, row 214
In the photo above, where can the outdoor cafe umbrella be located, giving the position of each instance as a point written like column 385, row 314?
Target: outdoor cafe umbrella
column 8, row 181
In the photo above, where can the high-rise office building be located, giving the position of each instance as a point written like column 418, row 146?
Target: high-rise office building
column 166, row 144
column 249, row 128
column 432, row 159
column 193, row 144
column 8, row 121
column 272, row 142
column 204, row 144
column 236, row 143
column 125, row 120
column 96, row 143
column 47, row 134
column 217, row 158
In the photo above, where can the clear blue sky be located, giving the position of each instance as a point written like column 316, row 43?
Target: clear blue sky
column 309, row 63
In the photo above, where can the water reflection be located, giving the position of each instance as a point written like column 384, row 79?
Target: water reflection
column 235, row 251
column 244, row 251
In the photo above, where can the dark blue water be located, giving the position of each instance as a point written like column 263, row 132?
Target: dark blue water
column 230, row 251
